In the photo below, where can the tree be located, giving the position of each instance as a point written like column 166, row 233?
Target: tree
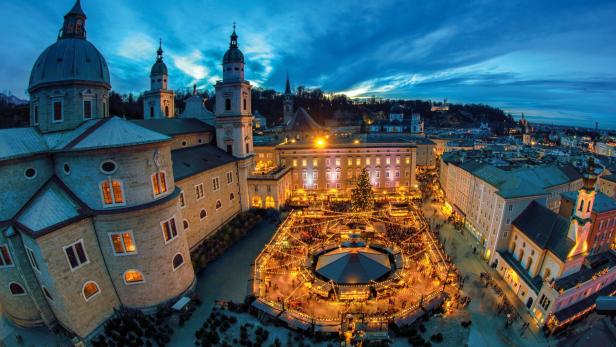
column 362, row 197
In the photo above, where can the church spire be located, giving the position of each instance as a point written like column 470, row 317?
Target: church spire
column 74, row 23
column 233, row 43
column 287, row 89
column 159, row 52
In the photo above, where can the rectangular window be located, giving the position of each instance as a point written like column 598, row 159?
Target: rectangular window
column 294, row 162
column 350, row 174
column 159, row 183
column 357, row 161
column 76, row 255
column 397, row 160
column 32, row 259
column 315, row 162
column 378, row 161
column 387, row 161
column 315, row 175
column 199, row 191
column 377, row 174
column 35, row 119
column 182, row 201
column 215, row 184
column 407, row 160
column 304, row 175
column 229, row 149
column 57, row 112
column 337, row 161
column 350, row 161
column 387, row 174
column 397, row 173
column 367, row 161
column 229, row 177
column 87, row 109
column 112, row 193
column 170, row 230
column 123, row 243
column 304, row 162
column 5, row 256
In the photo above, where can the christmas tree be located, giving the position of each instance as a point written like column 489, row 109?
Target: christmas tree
column 362, row 197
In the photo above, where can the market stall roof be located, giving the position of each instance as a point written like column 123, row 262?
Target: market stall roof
column 353, row 265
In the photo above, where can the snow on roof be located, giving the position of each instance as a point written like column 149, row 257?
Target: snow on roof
column 115, row 132
column 20, row 142
column 50, row 206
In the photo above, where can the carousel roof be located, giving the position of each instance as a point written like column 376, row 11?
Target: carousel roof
column 353, row 265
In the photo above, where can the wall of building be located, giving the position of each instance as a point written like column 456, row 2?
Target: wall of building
column 199, row 229
column 190, row 140
column 270, row 193
column 603, row 231
column 607, row 187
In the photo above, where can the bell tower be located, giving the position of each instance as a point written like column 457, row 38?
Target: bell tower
column 159, row 101
column 234, row 115
column 287, row 103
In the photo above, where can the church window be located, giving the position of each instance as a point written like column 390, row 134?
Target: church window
column 166, row 111
column 199, row 191
column 247, row 148
column 133, row 277
column 529, row 263
column 159, row 183
column 30, row 173
column 123, row 243
column 169, row 228
column 16, row 289
column 32, row 259
column 178, row 260
column 5, row 256
column 202, row 214
column 76, row 255
column 35, row 119
column 245, row 104
column 218, row 204
column 227, row 104
column 215, row 184
column 90, row 290
column 581, row 208
column 229, row 177
column 58, row 115
column 108, row 167
column 112, row 194
column 87, row 109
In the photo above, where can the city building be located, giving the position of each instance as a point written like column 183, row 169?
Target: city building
column 101, row 213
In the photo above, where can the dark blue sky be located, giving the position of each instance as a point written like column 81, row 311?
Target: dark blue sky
column 553, row 60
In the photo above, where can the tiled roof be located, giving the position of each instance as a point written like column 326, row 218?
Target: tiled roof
column 593, row 264
column 50, row 206
column 21, row 142
column 603, row 203
column 581, row 305
column 175, row 126
column 302, row 122
column 546, row 229
column 114, row 132
column 611, row 178
column 190, row 161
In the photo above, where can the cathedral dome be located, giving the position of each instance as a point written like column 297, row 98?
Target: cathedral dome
column 233, row 54
column 72, row 58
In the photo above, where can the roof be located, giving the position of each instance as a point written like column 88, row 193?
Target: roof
column 193, row 160
column 302, row 122
column 175, row 126
column 70, row 60
column 592, row 265
column 353, row 265
column 546, row 229
column 582, row 305
column 60, row 139
column 50, row 206
column 611, row 178
column 114, row 132
column 603, row 203
column 533, row 282
column 21, row 142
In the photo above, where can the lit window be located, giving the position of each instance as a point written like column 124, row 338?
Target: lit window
column 387, row 161
column 159, row 183
column 76, row 255
column 182, row 201
column 123, row 243
column 87, row 109
column 215, row 184
column 218, row 204
column 378, row 161
column 170, row 231
column 133, row 277
column 304, row 162
column 32, row 259
column 315, row 162
column 350, row 161
column 397, row 160
column 5, row 256
column 367, row 161
column 202, row 214
column 357, row 161
column 407, row 160
column 178, row 260
column 111, row 191
column 16, row 288
column 337, row 161
column 229, row 177
column 294, row 162
column 199, row 191
column 90, row 290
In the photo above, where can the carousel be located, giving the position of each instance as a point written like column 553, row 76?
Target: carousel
column 322, row 267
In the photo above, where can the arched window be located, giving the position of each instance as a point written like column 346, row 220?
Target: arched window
column 588, row 207
column 90, row 289
column 202, row 214
column 227, row 104
column 581, row 206
column 513, row 248
column 166, row 111
column 231, row 196
column 529, row 262
column 218, row 204
column 133, row 277
column 178, row 260
column 546, row 274
column 112, row 193
column 185, row 223
column 521, row 257
column 256, row 202
column 16, row 288
column 245, row 104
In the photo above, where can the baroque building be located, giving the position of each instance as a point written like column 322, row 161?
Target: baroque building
column 101, row 213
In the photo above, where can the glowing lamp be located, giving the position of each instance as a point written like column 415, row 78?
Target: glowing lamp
column 319, row 142
column 356, row 141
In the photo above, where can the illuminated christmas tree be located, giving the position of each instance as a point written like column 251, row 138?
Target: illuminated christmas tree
column 362, row 196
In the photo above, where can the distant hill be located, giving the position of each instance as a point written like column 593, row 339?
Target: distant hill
column 13, row 111
column 8, row 98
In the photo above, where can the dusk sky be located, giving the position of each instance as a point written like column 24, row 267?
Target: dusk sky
column 553, row 60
